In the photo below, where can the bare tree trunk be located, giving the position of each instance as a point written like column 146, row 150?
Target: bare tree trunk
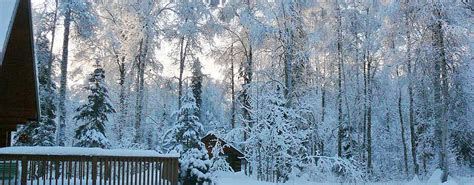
column 63, row 81
column 339, row 79
column 323, row 104
column 441, row 96
column 411, row 108
column 288, row 60
column 402, row 127
column 53, row 38
column 368, row 81
column 323, row 115
column 369, row 123
column 364, row 129
column 122, row 97
column 244, row 97
column 140, row 88
column 246, row 104
column 232, row 87
column 287, row 36
column 288, row 79
column 182, row 59
column 411, row 116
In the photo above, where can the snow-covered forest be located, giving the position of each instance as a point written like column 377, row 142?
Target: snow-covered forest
column 315, row 90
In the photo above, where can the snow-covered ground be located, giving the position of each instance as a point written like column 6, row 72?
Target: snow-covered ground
column 82, row 151
column 228, row 178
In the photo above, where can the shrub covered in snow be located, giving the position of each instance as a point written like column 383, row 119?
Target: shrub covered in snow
column 184, row 138
column 276, row 145
column 333, row 169
column 219, row 160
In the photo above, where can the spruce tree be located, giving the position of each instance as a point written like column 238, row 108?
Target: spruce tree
column 42, row 133
column 196, row 85
column 94, row 113
column 184, row 138
column 219, row 160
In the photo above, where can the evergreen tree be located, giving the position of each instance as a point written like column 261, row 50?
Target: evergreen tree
column 42, row 133
column 23, row 134
column 94, row 113
column 80, row 20
column 278, row 144
column 184, row 138
column 196, row 85
column 46, row 128
column 219, row 160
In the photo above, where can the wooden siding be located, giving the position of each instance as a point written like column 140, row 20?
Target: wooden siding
column 18, row 92
column 234, row 156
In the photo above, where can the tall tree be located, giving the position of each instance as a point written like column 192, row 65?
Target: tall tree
column 441, row 96
column 83, row 16
column 293, row 39
column 402, row 126
column 340, row 64
column 184, row 138
column 63, row 80
column 193, row 24
column 42, row 133
column 277, row 143
column 408, row 8
column 94, row 113
column 146, row 32
column 196, row 85
column 248, row 34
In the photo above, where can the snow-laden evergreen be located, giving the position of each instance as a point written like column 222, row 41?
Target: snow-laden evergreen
column 196, row 85
column 219, row 159
column 185, row 138
column 275, row 146
column 79, row 21
column 93, row 115
column 42, row 133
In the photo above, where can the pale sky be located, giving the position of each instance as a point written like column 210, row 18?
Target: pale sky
column 209, row 66
column 169, row 70
column 6, row 11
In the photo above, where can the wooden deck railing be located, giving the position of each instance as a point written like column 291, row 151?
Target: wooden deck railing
column 87, row 170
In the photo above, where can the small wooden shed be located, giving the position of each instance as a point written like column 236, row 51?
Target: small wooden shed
column 18, row 81
column 235, row 158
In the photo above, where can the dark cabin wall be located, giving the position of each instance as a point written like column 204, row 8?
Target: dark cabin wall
column 233, row 156
column 18, row 95
column 18, row 81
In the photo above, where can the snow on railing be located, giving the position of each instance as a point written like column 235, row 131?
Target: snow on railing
column 73, row 165
column 82, row 151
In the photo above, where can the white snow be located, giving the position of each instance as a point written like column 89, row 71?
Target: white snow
column 436, row 176
column 229, row 178
column 82, row 152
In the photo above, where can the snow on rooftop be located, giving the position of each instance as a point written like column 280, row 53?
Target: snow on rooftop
column 20, row 150
column 229, row 144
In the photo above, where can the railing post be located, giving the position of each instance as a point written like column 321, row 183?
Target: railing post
column 24, row 170
column 176, row 170
column 94, row 171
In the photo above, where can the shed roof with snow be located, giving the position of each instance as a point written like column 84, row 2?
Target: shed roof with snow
column 235, row 158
